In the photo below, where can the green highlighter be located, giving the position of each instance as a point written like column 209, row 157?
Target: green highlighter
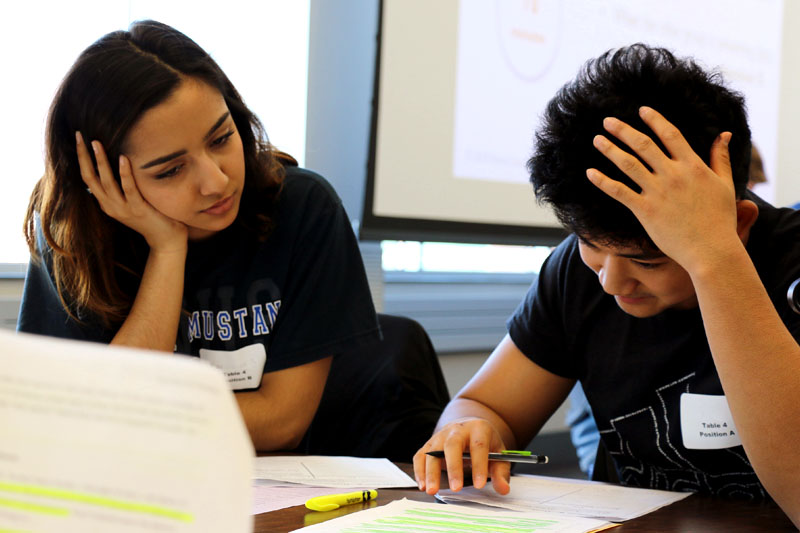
column 511, row 456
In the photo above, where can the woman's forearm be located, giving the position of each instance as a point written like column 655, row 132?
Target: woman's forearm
column 155, row 314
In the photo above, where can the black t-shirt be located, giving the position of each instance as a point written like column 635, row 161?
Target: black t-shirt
column 634, row 370
column 302, row 294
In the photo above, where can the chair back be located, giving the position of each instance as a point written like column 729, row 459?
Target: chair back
column 382, row 399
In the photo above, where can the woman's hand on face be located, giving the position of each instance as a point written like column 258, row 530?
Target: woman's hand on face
column 126, row 204
column 474, row 435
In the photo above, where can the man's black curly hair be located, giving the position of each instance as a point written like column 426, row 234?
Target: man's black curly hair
column 616, row 84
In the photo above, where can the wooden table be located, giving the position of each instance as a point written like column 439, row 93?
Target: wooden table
column 694, row 514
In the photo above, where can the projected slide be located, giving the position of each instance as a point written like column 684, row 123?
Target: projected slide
column 461, row 91
column 513, row 55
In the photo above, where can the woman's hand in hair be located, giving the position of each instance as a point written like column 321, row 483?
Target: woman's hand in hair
column 125, row 203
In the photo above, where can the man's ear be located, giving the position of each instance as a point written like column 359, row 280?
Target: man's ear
column 746, row 215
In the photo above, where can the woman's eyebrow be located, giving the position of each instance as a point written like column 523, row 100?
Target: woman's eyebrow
column 173, row 155
column 217, row 124
column 162, row 159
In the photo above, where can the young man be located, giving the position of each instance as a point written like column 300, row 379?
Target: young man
column 668, row 302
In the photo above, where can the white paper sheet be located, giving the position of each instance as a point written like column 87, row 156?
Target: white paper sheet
column 99, row 439
column 402, row 516
column 332, row 471
column 268, row 498
column 571, row 497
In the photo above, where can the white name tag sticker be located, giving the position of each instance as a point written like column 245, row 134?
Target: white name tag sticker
column 243, row 367
column 706, row 422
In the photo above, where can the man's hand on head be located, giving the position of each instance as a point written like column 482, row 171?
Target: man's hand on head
column 687, row 208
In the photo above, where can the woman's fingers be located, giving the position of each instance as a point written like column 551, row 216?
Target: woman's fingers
column 99, row 179
column 129, row 188
column 86, row 165
column 110, row 187
column 123, row 201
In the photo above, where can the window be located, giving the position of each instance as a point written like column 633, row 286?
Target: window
column 261, row 46
column 411, row 256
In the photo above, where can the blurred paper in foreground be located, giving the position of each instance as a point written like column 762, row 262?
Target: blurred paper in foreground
column 98, row 438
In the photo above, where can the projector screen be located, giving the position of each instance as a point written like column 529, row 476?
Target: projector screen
column 460, row 86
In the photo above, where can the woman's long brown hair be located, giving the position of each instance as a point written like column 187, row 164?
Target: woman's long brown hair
column 96, row 262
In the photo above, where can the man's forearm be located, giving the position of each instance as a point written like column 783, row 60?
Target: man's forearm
column 758, row 362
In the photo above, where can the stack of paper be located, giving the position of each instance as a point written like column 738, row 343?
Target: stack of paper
column 268, row 498
column 403, row 516
column 535, row 504
column 572, row 497
column 331, row 471
column 287, row 480
column 99, row 439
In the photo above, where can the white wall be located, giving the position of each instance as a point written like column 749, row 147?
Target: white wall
column 787, row 191
column 459, row 368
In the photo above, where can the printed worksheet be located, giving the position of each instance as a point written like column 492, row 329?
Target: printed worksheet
column 98, row 438
column 573, row 497
column 268, row 498
column 404, row 515
column 332, row 471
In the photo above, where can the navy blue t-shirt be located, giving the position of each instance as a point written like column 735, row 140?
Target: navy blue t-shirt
column 634, row 370
column 302, row 293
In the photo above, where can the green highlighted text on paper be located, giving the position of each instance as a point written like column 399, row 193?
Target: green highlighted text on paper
column 68, row 496
column 450, row 522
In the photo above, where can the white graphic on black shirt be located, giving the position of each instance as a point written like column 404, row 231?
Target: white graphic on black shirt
column 256, row 320
column 634, row 435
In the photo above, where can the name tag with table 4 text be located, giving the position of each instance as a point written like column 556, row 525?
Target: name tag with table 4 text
column 706, row 422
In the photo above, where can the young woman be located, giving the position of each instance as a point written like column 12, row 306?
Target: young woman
column 165, row 220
